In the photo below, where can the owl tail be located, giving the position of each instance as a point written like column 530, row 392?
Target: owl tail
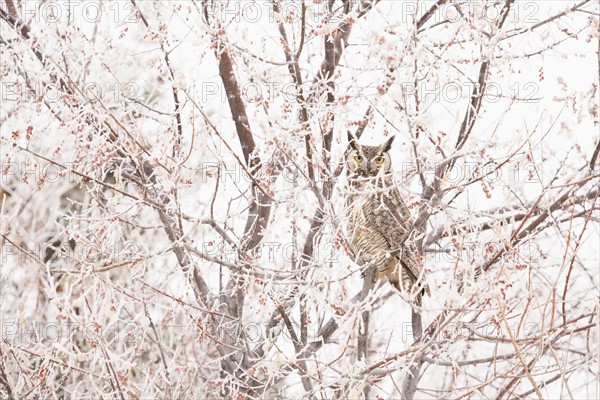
column 409, row 286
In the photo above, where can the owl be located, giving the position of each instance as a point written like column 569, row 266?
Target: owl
column 379, row 222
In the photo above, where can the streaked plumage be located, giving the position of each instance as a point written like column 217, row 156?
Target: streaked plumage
column 379, row 222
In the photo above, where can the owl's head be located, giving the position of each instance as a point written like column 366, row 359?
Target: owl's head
column 368, row 161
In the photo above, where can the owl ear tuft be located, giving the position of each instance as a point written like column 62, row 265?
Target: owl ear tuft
column 388, row 144
column 352, row 141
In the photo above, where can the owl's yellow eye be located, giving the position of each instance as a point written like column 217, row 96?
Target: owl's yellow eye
column 379, row 160
column 358, row 159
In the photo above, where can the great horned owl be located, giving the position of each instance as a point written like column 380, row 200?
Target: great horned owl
column 379, row 222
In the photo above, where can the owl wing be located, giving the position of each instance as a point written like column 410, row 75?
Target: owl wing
column 393, row 219
column 395, row 223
